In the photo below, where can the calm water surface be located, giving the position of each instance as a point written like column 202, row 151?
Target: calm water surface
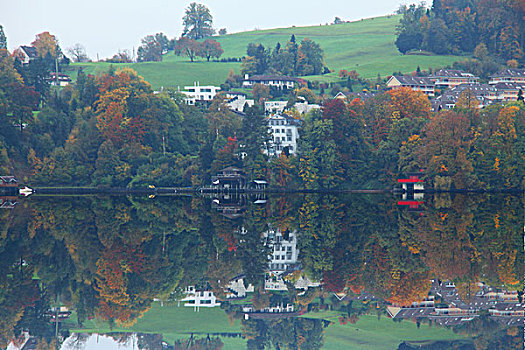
column 241, row 272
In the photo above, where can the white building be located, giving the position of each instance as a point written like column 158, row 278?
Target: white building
column 199, row 298
column 284, row 134
column 275, row 106
column 283, row 251
column 276, row 81
column 237, row 102
column 272, row 107
column 197, row 93
column 237, row 289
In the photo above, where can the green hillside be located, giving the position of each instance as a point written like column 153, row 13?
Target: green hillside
column 366, row 46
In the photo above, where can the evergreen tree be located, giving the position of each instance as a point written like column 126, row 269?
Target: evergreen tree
column 3, row 39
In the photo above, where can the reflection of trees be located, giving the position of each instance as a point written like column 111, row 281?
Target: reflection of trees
column 110, row 256
column 284, row 333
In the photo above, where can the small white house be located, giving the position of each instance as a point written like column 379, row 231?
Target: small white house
column 284, row 134
column 197, row 93
column 26, row 53
column 61, row 80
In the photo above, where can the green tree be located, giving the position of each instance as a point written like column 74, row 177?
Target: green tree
column 197, row 22
column 310, row 58
column 254, row 136
column 150, row 50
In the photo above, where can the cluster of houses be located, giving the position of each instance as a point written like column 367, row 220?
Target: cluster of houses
column 503, row 86
column 503, row 306
column 28, row 53
column 282, row 261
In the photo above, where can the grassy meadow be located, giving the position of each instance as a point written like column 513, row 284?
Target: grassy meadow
column 369, row 333
column 366, row 46
column 179, row 322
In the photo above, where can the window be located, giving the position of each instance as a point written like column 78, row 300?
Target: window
column 289, row 138
column 283, row 138
column 282, row 130
column 277, row 257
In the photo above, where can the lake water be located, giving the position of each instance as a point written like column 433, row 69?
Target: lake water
column 304, row 271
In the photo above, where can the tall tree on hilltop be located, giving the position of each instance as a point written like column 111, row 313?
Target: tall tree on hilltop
column 197, row 22
column 150, row 50
column 3, row 38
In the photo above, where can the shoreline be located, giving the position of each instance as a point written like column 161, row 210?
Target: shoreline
column 166, row 191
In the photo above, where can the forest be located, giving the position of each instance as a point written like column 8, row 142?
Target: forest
column 462, row 26
column 114, row 131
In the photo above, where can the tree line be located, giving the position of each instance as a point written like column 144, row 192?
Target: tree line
column 456, row 27
column 293, row 59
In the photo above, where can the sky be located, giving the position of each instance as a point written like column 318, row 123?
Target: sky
column 104, row 27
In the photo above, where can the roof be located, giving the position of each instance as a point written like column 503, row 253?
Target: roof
column 231, row 168
column 509, row 72
column 29, row 50
column 8, row 179
column 510, row 86
column 271, row 77
column 410, row 80
column 452, row 73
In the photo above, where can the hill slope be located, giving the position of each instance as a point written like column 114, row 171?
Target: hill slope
column 366, row 46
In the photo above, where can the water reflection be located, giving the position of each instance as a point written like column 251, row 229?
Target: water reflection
column 301, row 271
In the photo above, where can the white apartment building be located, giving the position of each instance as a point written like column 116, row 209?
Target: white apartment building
column 197, row 93
column 284, row 134
column 283, row 251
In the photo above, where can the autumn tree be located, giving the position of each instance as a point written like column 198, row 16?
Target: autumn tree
column 309, row 58
column 46, row 45
column 197, row 22
column 211, row 48
column 188, row 47
column 444, row 151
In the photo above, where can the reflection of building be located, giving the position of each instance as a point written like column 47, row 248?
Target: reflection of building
column 273, row 311
column 199, row 298
column 8, row 181
column 237, row 290
column 231, row 206
column 8, row 202
column 284, row 252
